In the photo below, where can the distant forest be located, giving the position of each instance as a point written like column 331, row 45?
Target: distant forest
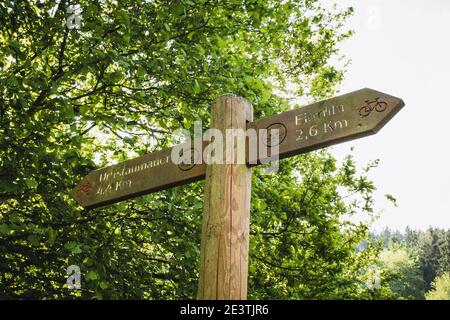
column 416, row 264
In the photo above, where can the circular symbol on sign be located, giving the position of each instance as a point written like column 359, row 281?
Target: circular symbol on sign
column 192, row 161
column 275, row 134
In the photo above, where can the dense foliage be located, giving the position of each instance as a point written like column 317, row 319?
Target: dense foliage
column 440, row 289
column 417, row 263
column 75, row 100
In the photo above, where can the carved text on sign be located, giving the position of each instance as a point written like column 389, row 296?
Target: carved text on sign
column 329, row 111
column 124, row 171
column 310, row 125
column 322, row 128
column 114, row 187
column 116, row 180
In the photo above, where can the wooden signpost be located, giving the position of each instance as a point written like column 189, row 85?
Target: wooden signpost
column 225, row 233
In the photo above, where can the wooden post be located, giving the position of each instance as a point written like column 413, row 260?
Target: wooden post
column 225, row 231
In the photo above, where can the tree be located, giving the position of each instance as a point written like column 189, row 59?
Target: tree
column 75, row 100
column 403, row 272
column 432, row 245
column 300, row 241
column 444, row 259
column 440, row 288
column 411, row 239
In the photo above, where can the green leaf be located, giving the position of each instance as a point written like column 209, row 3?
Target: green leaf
column 51, row 235
column 31, row 183
column 141, row 72
column 196, row 87
column 74, row 247
column 14, row 44
column 91, row 275
column 76, row 250
column 116, row 76
column 33, row 239
column 4, row 229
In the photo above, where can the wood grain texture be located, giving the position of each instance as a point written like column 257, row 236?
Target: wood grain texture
column 225, row 231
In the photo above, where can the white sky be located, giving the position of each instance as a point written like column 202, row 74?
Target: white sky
column 402, row 47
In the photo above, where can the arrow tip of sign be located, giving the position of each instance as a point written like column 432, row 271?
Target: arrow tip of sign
column 394, row 105
column 83, row 188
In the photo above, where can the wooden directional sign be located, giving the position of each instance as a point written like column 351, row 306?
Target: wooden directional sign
column 132, row 178
column 329, row 122
column 347, row 117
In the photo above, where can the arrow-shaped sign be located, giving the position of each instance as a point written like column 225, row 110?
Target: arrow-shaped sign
column 135, row 177
column 347, row 117
column 351, row 116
